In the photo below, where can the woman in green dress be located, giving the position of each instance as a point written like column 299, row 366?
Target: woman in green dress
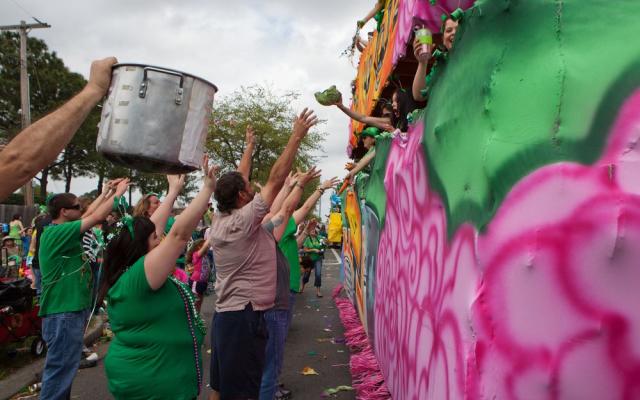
column 16, row 229
column 158, row 333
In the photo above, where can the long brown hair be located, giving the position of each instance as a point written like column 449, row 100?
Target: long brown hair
column 123, row 251
column 142, row 208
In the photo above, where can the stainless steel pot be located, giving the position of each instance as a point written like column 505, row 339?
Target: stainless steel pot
column 155, row 119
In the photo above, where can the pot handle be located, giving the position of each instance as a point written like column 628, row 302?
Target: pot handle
column 143, row 85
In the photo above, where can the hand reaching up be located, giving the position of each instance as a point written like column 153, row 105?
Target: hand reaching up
column 122, row 187
column 176, row 182
column 329, row 183
column 250, row 136
column 310, row 175
column 209, row 174
column 304, row 122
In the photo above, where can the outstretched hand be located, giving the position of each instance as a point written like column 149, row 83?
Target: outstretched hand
column 110, row 186
column 304, row 122
column 209, row 173
column 250, row 136
column 310, row 175
column 290, row 179
column 122, row 186
column 176, row 182
column 329, row 183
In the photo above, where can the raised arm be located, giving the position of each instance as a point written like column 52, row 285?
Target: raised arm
column 419, row 80
column 378, row 122
column 364, row 161
column 290, row 204
column 39, row 145
column 302, row 237
column 289, row 183
column 205, row 247
column 104, row 208
column 106, row 192
column 300, row 214
column 371, row 14
column 281, row 168
column 160, row 262
column 245, row 162
column 161, row 215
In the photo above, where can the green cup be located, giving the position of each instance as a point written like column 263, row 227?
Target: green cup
column 425, row 38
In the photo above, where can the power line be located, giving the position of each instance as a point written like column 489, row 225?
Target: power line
column 25, row 106
column 26, row 11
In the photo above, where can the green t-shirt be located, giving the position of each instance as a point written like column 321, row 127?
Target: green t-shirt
column 151, row 356
column 66, row 275
column 314, row 243
column 289, row 248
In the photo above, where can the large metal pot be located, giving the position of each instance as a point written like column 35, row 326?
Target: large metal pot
column 155, row 119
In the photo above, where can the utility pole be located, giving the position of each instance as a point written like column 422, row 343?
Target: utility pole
column 25, row 104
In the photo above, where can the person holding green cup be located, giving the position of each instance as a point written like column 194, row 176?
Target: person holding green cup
column 425, row 39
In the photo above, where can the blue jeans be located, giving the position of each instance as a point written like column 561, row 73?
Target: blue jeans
column 292, row 302
column 64, row 334
column 317, row 279
column 277, row 321
column 37, row 280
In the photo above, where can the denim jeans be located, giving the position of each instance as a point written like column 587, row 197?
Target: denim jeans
column 277, row 321
column 37, row 280
column 317, row 279
column 64, row 334
column 292, row 303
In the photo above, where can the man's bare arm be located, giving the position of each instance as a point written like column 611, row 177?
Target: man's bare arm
column 282, row 166
column 39, row 145
column 245, row 162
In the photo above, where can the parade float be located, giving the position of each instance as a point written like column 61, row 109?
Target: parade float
column 495, row 251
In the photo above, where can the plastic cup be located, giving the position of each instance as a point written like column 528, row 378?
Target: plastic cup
column 425, row 38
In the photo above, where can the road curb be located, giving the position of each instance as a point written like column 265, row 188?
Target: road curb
column 28, row 374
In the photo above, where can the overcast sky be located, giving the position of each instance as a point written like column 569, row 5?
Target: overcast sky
column 288, row 44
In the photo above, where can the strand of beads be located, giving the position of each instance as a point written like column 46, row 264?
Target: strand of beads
column 192, row 305
column 188, row 303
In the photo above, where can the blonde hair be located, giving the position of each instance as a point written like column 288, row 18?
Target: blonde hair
column 142, row 207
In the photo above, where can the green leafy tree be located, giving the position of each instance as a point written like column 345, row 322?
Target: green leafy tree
column 51, row 84
column 271, row 116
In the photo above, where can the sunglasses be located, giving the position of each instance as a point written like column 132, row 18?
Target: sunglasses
column 73, row 207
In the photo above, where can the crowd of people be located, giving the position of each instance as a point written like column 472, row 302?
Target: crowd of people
column 150, row 273
column 143, row 265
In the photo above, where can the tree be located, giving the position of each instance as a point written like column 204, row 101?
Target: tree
column 51, row 84
column 271, row 116
column 79, row 157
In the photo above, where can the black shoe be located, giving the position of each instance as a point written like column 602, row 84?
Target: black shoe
column 84, row 363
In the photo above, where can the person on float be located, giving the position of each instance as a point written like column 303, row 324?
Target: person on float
column 422, row 81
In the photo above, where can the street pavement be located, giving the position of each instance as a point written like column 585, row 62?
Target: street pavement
column 311, row 343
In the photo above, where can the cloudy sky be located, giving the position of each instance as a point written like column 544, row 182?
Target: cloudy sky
column 288, row 44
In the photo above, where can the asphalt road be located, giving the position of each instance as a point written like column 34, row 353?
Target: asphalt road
column 310, row 344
